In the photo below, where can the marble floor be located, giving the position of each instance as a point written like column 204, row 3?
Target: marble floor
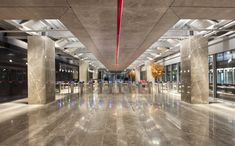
column 130, row 119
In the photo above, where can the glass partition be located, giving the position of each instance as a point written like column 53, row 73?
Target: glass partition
column 228, row 76
column 220, row 76
column 227, row 55
column 174, row 72
column 220, row 57
column 168, row 73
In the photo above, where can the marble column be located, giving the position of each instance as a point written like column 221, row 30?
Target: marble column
column 194, row 64
column 41, row 70
column 83, row 71
column 137, row 74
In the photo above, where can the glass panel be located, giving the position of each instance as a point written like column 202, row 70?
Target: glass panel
column 211, row 82
column 174, row 72
column 220, row 76
column 227, row 55
column 233, row 54
column 143, row 75
column 179, row 72
column 4, row 74
column 219, row 57
column 210, row 58
column 226, row 91
column 233, row 76
column 228, row 76
column 211, row 76
column 168, row 73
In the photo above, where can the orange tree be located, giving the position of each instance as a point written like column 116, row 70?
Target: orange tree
column 131, row 74
column 157, row 70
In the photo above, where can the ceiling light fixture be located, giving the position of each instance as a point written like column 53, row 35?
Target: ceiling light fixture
column 119, row 22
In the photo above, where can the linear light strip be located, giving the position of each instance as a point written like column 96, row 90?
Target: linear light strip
column 119, row 22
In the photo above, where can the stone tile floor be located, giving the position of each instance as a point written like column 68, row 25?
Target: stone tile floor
column 129, row 119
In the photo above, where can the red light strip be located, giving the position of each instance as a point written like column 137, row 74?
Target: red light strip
column 119, row 22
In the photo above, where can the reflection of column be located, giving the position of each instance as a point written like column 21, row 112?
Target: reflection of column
column 137, row 74
column 83, row 71
column 41, row 70
column 171, row 72
column 178, row 73
column 193, row 121
column 194, row 63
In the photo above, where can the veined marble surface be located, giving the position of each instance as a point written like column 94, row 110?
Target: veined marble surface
column 194, row 66
column 41, row 70
column 121, row 120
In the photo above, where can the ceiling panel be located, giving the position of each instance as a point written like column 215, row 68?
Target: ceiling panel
column 94, row 21
column 32, row 12
column 32, row 3
column 204, row 13
column 100, row 23
column 204, row 3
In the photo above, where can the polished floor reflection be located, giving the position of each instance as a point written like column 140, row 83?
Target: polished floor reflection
column 121, row 120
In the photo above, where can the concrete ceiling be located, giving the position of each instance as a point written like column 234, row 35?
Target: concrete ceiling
column 94, row 21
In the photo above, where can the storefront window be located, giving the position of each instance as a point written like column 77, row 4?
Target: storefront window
column 233, row 54
column 227, row 55
column 220, row 76
column 219, row 57
column 168, row 73
column 19, row 75
column 143, row 75
column 228, row 75
column 233, row 76
column 211, row 76
column 3, row 74
column 174, row 72
column 179, row 72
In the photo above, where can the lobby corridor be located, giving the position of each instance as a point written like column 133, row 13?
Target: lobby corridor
column 121, row 120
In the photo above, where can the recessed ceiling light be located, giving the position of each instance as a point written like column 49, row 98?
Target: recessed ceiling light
column 11, row 54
